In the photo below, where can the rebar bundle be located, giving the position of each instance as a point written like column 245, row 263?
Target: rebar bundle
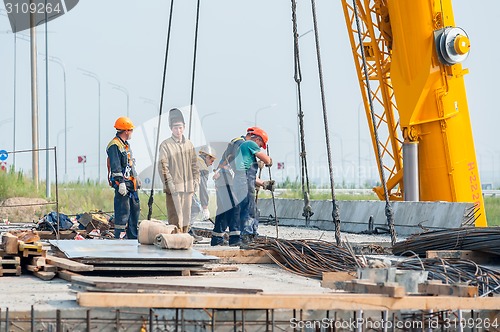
column 451, row 271
column 470, row 238
column 308, row 258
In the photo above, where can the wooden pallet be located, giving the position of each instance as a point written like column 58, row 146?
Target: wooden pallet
column 10, row 265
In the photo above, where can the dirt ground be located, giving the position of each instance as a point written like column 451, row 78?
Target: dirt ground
column 22, row 209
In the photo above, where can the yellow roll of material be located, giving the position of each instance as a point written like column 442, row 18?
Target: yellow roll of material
column 148, row 229
column 174, row 241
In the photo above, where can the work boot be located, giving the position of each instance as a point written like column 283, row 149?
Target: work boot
column 217, row 241
column 247, row 238
column 236, row 243
column 196, row 238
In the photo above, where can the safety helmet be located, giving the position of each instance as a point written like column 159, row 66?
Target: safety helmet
column 208, row 150
column 262, row 134
column 124, row 123
column 250, row 130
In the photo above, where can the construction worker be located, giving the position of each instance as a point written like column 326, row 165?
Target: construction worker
column 227, row 214
column 178, row 169
column 245, row 181
column 123, row 178
column 206, row 158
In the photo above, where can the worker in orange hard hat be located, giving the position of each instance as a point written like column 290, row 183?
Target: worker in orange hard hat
column 122, row 176
column 245, row 181
column 227, row 214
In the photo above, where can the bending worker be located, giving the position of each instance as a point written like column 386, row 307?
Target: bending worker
column 123, row 178
column 228, row 212
column 178, row 169
column 206, row 158
column 245, row 181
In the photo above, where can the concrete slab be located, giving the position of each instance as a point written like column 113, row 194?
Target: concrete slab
column 354, row 215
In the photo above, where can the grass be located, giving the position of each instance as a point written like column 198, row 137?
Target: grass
column 79, row 197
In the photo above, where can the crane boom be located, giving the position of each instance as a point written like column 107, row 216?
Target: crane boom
column 413, row 51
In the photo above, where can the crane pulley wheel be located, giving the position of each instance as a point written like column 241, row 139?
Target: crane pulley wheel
column 452, row 45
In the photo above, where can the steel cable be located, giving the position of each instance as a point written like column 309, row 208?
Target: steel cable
column 308, row 258
column 451, row 271
column 470, row 238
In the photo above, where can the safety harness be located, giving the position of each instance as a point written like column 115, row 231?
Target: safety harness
column 126, row 172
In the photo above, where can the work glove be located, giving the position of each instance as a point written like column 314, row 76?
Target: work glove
column 206, row 214
column 261, row 164
column 268, row 185
column 270, row 163
column 122, row 189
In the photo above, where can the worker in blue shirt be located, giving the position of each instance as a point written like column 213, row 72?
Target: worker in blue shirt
column 245, row 181
column 122, row 176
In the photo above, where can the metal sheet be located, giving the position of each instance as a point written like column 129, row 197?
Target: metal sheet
column 125, row 249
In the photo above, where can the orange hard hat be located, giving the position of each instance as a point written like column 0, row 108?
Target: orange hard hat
column 262, row 134
column 250, row 130
column 124, row 123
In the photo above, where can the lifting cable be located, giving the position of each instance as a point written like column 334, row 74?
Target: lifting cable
column 335, row 209
column 304, row 178
column 195, row 51
column 151, row 199
column 388, row 208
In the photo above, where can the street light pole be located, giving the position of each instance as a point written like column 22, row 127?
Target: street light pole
column 261, row 109
column 94, row 76
column 125, row 91
column 59, row 62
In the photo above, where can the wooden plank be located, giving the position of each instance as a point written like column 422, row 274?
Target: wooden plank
column 50, row 268
column 364, row 287
column 38, row 261
column 44, row 275
column 338, row 276
column 449, row 290
column 286, row 301
column 9, row 243
column 84, row 283
column 68, row 264
column 67, row 275
column 223, row 269
column 239, row 256
column 33, row 268
column 473, row 255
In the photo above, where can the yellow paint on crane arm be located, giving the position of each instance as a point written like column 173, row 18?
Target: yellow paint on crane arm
column 432, row 100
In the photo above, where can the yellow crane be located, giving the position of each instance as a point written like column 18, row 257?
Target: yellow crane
column 412, row 52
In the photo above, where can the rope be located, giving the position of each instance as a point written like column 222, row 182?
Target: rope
column 272, row 195
column 194, row 67
column 388, row 208
column 307, row 211
column 151, row 199
column 335, row 208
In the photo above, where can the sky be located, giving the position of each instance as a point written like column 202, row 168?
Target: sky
column 244, row 75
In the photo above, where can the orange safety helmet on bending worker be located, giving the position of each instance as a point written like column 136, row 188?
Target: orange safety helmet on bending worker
column 259, row 132
column 124, row 123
